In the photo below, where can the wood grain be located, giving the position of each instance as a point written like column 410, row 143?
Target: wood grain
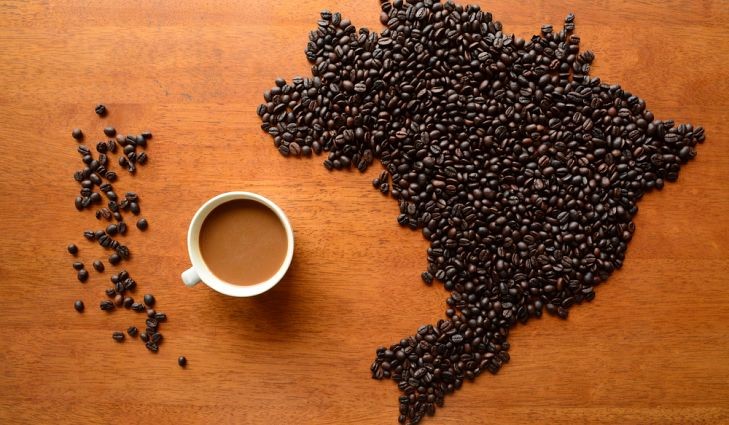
column 652, row 348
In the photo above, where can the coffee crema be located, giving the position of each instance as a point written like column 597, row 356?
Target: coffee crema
column 243, row 242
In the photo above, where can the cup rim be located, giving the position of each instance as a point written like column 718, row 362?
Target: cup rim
column 207, row 276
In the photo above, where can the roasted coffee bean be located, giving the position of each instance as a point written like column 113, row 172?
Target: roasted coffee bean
column 78, row 305
column 130, row 284
column 182, row 361
column 151, row 312
column 146, row 135
column 151, row 346
column 72, row 249
column 149, row 300
column 78, row 265
column 112, row 229
column 156, row 338
column 122, row 228
column 160, row 317
column 123, row 162
column 111, row 176
column 90, row 235
column 118, row 336
column 111, row 145
column 128, row 301
column 98, row 266
column 144, row 337
column 110, row 292
column 142, row 224
column 84, row 150
column 118, row 299
column 131, row 196
column 123, row 275
column 132, row 331
column 100, row 110
column 522, row 170
column 128, row 149
column 123, row 252
column 117, row 216
column 110, row 131
column 106, row 305
column 99, row 233
column 138, row 307
column 82, row 275
column 77, row 134
column 134, row 208
column 114, row 259
column 111, row 195
column 142, row 158
column 95, row 198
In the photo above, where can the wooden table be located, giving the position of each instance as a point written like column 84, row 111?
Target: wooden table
column 652, row 348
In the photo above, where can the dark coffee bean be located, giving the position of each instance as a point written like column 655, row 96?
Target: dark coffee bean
column 129, row 284
column 110, row 131
column 123, row 162
column 110, row 292
column 122, row 228
column 78, row 305
column 111, row 176
column 132, row 331
column 95, row 198
column 84, row 150
column 142, row 224
column 151, row 312
column 160, row 317
column 117, row 216
column 128, row 301
column 149, row 300
column 98, row 266
column 111, row 145
column 102, row 147
column 182, row 361
column 123, row 275
column 114, row 259
column 156, row 338
column 90, row 235
column 134, row 208
column 100, row 110
column 129, row 149
column 142, row 158
column 106, row 305
column 82, row 275
column 72, row 249
column 112, row 229
column 144, row 337
column 118, row 336
column 151, row 346
column 138, row 307
column 77, row 134
column 78, row 265
column 123, row 252
column 118, row 300
column 99, row 233
column 146, row 135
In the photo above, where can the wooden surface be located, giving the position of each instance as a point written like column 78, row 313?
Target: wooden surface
column 652, row 348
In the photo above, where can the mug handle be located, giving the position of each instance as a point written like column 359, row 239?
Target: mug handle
column 190, row 277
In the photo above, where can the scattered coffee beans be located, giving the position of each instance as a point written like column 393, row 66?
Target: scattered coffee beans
column 521, row 170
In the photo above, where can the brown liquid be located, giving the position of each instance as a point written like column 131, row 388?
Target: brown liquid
column 243, row 242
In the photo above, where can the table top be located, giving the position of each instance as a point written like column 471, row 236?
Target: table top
column 652, row 348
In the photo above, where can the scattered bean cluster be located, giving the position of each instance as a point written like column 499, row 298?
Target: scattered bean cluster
column 93, row 187
column 521, row 169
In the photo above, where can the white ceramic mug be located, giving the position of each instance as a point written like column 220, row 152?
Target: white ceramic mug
column 199, row 272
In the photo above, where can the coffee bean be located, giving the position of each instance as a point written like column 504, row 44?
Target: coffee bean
column 77, row 134
column 149, row 300
column 118, row 336
column 134, row 208
column 132, row 331
column 122, row 228
column 144, row 337
column 110, row 292
column 146, row 135
column 182, row 361
column 78, row 305
column 160, row 317
column 82, row 275
column 138, row 307
column 142, row 158
column 78, row 265
column 151, row 346
column 112, row 229
column 110, row 131
column 98, row 266
column 100, row 110
column 106, row 305
column 142, row 224
column 114, row 259
column 128, row 301
column 72, row 249
column 118, row 300
column 123, row 252
column 151, row 312
column 89, row 235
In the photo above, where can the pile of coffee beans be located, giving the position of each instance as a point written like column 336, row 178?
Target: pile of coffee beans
column 96, row 180
column 521, row 169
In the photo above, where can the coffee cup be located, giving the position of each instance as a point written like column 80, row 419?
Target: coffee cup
column 240, row 244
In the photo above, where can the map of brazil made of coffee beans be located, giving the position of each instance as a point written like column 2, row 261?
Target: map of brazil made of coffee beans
column 521, row 169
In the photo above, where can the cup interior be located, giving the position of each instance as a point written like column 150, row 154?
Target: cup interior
column 206, row 275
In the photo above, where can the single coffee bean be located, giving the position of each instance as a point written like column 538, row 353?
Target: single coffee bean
column 142, row 158
column 144, row 337
column 98, row 266
column 110, row 131
column 151, row 312
column 99, row 233
column 122, row 228
column 128, row 301
column 90, row 235
column 114, row 259
column 77, row 134
column 138, row 307
column 110, row 292
column 72, row 249
column 82, row 275
column 118, row 336
column 111, row 176
column 151, row 346
column 142, row 224
column 160, row 317
column 182, row 361
column 134, row 208
column 78, row 305
column 132, row 331
column 100, row 110
column 112, row 229
column 123, row 252
column 118, row 300
column 106, row 305
column 149, row 300
column 78, row 265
